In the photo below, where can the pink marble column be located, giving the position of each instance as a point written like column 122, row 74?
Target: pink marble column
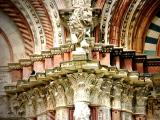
column 38, row 63
column 66, row 56
column 16, row 71
column 27, row 68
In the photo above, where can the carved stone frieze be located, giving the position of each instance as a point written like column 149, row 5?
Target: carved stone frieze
column 37, row 57
column 14, row 66
column 25, row 62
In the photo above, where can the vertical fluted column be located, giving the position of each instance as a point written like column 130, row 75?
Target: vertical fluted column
column 116, row 102
column 127, row 96
column 141, row 100
column 105, row 109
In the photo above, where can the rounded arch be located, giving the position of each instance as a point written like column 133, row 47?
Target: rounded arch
column 142, row 24
column 12, row 36
column 6, row 47
column 153, row 33
column 9, row 8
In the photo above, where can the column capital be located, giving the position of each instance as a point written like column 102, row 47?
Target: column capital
column 82, row 84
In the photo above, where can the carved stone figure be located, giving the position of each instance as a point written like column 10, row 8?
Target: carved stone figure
column 79, row 23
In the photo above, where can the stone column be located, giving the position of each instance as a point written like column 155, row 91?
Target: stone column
column 82, row 84
column 105, row 108
column 127, row 96
column 116, row 102
column 141, row 102
column 39, row 94
column 50, row 106
column 30, row 109
column 62, row 112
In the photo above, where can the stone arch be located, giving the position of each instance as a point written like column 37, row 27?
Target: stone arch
column 12, row 37
column 153, row 33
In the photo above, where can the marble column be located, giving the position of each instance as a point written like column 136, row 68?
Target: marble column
column 62, row 112
column 82, row 84
column 140, row 108
column 30, row 110
column 141, row 102
column 50, row 106
column 126, row 105
column 116, row 102
column 104, row 111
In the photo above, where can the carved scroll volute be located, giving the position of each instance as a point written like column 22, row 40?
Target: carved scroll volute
column 82, row 84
